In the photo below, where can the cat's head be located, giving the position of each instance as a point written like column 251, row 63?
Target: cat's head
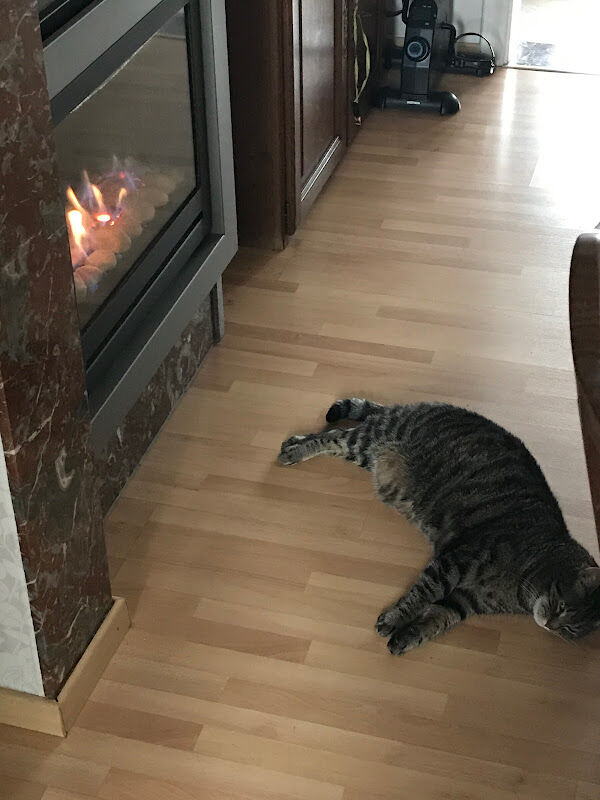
column 571, row 608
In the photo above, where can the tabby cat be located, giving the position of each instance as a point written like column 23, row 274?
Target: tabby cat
column 500, row 543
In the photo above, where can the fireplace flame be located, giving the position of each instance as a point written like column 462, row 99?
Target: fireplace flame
column 96, row 205
column 99, row 201
column 100, row 217
column 121, row 198
column 77, row 235
column 72, row 198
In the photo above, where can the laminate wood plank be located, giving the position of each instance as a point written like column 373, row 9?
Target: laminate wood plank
column 172, row 614
column 587, row 791
column 400, row 551
column 58, row 770
column 548, row 724
column 258, row 468
column 345, row 345
column 283, row 729
column 455, row 682
column 194, row 769
column 16, row 789
column 356, row 773
column 252, row 591
column 452, row 737
column 139, row 725
column 185, row 681
column 126, row 785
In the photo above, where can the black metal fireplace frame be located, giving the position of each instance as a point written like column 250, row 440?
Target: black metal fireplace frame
column 135, row 329
column 56, row 13
column 191, row 222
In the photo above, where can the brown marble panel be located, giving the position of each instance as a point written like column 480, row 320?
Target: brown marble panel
column 43, row 409
column 117, row 460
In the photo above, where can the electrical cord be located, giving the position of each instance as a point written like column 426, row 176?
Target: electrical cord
column 401, row 12
column 480, row 36
column 359, row 30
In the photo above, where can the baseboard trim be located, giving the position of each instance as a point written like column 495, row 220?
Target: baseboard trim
column 57, row 717
column 29, row 711
column 320, row 176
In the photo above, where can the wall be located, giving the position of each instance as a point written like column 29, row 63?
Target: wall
column 496, row 25
column 467, row 14
column 19, row 662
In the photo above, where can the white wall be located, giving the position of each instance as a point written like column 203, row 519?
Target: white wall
column 489, row 17
column 467, row 15
column 496, row 25
column 19, row 663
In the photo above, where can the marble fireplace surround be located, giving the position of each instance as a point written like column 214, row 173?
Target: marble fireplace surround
column 59, row 480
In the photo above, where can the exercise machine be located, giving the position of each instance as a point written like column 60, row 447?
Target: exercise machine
column 428, row 43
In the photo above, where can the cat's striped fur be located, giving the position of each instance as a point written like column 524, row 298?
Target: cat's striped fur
column 500, row 543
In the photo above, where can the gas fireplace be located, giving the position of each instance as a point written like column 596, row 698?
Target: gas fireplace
column 140, row 103
column 111, row 218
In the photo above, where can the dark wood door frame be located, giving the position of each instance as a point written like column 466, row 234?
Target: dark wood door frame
column 292, row 89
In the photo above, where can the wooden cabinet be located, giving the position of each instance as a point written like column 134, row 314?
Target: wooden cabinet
column 319, row 100
column 290, row 99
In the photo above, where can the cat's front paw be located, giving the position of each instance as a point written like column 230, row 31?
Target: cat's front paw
column 388, row 621
column 403, row 640
column 292, row 451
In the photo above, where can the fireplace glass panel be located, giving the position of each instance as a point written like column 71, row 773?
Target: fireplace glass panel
column 127, row 164
column 55, row 13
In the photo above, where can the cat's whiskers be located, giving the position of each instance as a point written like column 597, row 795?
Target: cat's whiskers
column 530, row 592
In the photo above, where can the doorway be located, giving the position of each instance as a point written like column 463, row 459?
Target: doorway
column 560, row 35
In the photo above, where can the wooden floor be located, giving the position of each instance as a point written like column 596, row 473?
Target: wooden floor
column 434, row 266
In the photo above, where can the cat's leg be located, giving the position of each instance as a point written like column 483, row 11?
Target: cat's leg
column 355, row 444
column 435, row 620
column 330, row 443
column 355, row 408
column 392, row 480
column 437, row 581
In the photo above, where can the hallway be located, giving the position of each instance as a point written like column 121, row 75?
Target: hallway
column 559, row 35
column 434, row 266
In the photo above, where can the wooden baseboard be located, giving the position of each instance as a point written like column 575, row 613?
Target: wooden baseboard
column 29, row 711
column 320, row 176
column 56, row 717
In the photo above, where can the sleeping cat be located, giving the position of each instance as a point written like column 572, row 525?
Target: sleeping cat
column 500, row 543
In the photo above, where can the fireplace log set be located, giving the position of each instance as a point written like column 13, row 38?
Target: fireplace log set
column 106, row 216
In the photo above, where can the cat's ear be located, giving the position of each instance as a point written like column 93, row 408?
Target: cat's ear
column 588, row 580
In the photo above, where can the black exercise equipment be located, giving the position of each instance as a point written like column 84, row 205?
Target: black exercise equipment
column 428, row 42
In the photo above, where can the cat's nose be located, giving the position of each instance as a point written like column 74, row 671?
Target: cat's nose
column 553, row 624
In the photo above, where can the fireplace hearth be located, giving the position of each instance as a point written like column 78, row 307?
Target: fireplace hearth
column 140, row 103
column 116, row 156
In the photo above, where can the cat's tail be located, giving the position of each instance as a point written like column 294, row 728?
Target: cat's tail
column 353, row 408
